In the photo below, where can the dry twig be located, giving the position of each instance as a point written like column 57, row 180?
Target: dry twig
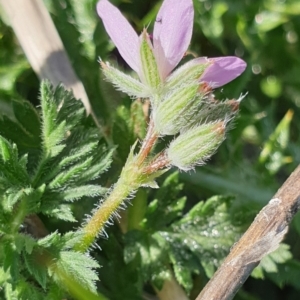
column 262, row 237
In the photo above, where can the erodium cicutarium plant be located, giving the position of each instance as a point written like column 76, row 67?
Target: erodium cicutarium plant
column 182, row 103
column 186, row 125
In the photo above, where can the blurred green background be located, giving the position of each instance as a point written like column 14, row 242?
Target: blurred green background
column 263, row 147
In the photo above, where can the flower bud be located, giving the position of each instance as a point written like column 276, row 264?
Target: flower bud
column 196, row 145
column 175, row 109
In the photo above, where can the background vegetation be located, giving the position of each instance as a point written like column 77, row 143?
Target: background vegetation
column 261, row 150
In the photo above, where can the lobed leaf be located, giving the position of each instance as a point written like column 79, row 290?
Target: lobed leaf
column 206, row 231
column 13, row 172
column 36, row 269
column 79, row 266
column 76, row 193
column 69, row 175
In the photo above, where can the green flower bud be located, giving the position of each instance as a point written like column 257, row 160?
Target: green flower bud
column 196, row 145
column 124, row 83
column 174, row 111
column 148, row 62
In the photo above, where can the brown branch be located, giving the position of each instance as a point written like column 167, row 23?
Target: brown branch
column 262, row 237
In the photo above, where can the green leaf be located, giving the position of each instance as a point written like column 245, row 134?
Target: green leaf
column 72, row 155
column 129, row 125
column 11, row 260
column 184, row 265
column 11, row 70
column 31, row 198
column 61, row 211
column 79, row 266
column 112, row 259
column 12, row 196
column 207, row 232
column 70, row 239
column 151, row 252
column 4, row 276
column 166, row 206
column 49, row 240
column 10, row 294
column 65, row 177
column 24, row 242
column 80, row 146
column 78, row 153
column 272, row 154
column 270, row 20
column 98, row 167
column 85, row 22
column 22, row 128
column 54, row 138
column 13, row 172
column 56, row 110
column 23, row 290
column 72, row 152
column 28, row 117
column 36, row 269
column 76, row 193
column 54, row 292
column 48, row 110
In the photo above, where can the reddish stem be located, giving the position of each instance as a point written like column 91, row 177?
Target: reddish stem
column 159, row 162
column 148, row 143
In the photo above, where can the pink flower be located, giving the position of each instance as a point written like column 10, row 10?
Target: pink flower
column 171, row 38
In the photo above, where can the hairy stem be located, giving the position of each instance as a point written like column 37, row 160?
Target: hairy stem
column 131, row 178
column 149, row 142
column 122, row 189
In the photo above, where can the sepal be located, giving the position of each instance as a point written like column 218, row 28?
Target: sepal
column 211, row 110
column 149, row 66
column 124, row 83
column 187, row 73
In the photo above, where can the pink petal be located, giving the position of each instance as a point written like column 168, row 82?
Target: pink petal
column 172, row 33
column 223, row 70
column 121, row 33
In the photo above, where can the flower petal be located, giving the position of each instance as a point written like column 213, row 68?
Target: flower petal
column 223, row 70
column 121, row 33
column 172, row 33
